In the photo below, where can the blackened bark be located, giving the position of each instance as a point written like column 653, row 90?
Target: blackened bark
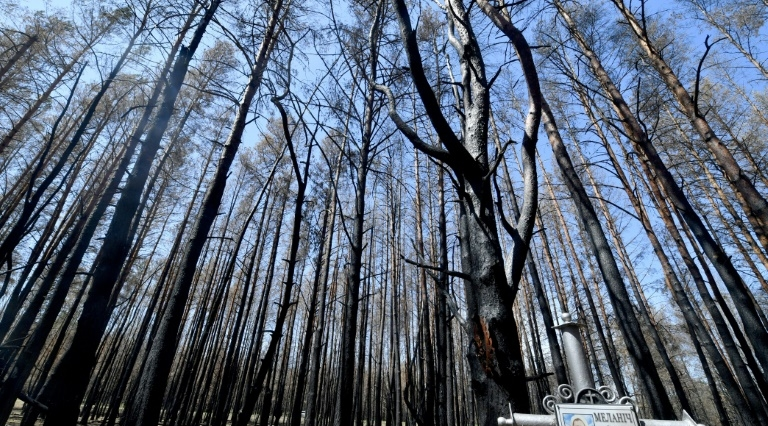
column 495, row 355
column 656, row 167
column 23, row 222
column 319, row 290
column 68, row 382
column 145, row 410
column 226, row 387
column 344, row 409
column 754, row 204
column 324, row 265
column 31, row 39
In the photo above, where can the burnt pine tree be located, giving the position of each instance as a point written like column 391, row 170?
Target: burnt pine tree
column 33, row 194
column 652, row 162
column 145, row 409
column 63, row 268
column 344, row 406
column 752, row 201
column 495, row 358
column 650, row 380
column 69, row 380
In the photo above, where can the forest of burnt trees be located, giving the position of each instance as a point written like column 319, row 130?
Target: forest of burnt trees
column 247, row 212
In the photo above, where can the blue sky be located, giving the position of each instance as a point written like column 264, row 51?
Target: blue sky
column 41, row 4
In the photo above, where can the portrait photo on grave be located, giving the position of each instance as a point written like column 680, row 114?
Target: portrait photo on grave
column 571, row 419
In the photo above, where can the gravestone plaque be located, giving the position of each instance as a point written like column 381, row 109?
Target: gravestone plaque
column 581, row 403
column 596, row 415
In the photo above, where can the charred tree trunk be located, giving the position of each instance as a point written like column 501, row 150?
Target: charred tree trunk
column 640, row 354
column 68, row 382
column 497, row 369
column 754, row 204
column 344, row 410
column 31, row 40
column 146, row 408
column 650, row 158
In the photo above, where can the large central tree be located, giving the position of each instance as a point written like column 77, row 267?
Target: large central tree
column 495, row 357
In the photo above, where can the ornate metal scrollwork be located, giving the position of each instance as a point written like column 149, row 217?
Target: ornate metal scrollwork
column 549, row 403
column 626, row 400
column 608, row 394
column 563, row 395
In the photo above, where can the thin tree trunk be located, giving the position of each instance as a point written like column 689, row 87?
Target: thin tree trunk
column 225, row 392
column 671, row 278
column 43, row 98
column 648, row 376
column 727, row 34
column 636, row 286
column 749, row 407
column 538, row 287
column 345, row 395
column 319, row 285
column 146, row 408
column 754, row 204
column 717, row 397
column 324, row 266
column 31, row 39
column 14, row 236
column 68, row 382
column 650, row 158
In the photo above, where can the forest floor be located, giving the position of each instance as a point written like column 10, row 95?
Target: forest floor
column 15, row 418
column 16, row 414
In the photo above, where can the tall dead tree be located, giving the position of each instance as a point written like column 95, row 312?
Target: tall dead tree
column 495, row 358
column 344, row 408
column 656, row 169
column 69, row 380
column 752, row 201
column 145, row 409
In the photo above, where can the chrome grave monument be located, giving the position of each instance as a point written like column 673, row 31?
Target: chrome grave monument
column 580, row 403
